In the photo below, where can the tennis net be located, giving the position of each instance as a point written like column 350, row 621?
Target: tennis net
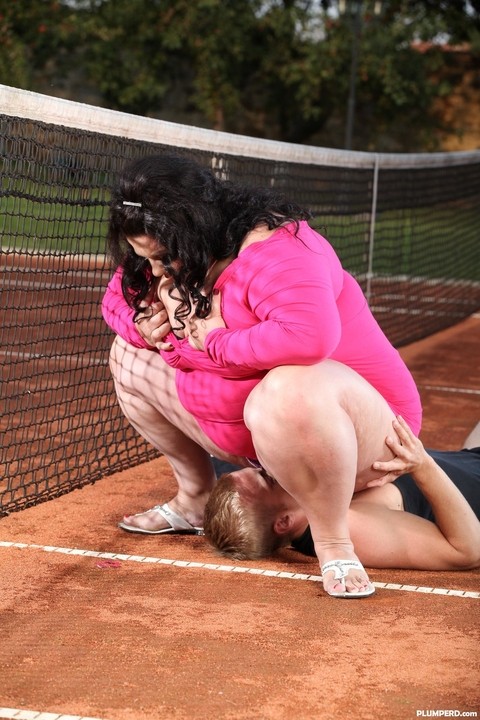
column 405, row 225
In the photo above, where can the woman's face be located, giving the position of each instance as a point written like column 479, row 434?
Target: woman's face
column 157, row 254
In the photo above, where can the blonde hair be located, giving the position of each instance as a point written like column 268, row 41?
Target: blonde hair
column 236, row 527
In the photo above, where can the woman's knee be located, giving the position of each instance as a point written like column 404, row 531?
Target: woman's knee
column 299, row 396
column 277, row 398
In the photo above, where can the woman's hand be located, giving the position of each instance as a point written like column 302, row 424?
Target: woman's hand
column 198, row 329
column 153, row 325
column 410, row 456
column 153, row 321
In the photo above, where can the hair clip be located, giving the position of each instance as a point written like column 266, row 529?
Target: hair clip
column 134, row 204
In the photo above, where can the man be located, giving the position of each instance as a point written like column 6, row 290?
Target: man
column 426, row 517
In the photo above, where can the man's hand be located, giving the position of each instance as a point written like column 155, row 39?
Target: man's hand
column 410, row 456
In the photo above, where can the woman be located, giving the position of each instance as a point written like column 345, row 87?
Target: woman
column 226, row 302
column 427, row 519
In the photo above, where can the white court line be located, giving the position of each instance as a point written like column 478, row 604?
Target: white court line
column 228, row 568
column 31, row 285
column 443, row 388
column 16, row 714
column 78, row 359
column 414, row 311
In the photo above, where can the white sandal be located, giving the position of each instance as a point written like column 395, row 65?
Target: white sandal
column 340, row 569
column 178, row 524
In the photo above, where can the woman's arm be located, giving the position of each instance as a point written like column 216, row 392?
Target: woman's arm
column 143, row 330
column 118, row 314
column 393, row 538
column 295, row 320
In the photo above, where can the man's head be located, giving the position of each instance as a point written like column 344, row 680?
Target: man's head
column 249, row 516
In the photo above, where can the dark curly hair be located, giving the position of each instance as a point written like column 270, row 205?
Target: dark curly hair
column 197, row 217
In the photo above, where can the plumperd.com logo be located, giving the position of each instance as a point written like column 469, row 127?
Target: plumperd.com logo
column 446, row 713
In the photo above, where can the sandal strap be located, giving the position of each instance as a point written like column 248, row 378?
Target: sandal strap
column 341, row 567
column 177, row 522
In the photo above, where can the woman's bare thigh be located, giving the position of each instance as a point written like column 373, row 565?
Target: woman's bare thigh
column 308, row 401
column 145, row 375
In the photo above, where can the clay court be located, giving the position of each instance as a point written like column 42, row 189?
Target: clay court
column 97, row 623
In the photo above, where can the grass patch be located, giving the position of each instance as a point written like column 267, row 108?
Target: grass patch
column 432, row 242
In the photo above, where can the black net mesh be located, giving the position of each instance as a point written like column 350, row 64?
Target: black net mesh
column 409, row 235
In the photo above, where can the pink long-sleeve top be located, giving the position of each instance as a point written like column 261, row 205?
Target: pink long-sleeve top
column 285, row 300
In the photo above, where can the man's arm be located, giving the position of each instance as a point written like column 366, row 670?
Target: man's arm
column 393, row 538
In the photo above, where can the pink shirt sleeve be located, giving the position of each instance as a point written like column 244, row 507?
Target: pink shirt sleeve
column 294, row 298
column 118, row 314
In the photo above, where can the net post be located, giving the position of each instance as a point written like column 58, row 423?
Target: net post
column 373, row 213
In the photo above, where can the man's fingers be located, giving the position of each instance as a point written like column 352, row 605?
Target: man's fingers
column 389, row 466
column 389, row 477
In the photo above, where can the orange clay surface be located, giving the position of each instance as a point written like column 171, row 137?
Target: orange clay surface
column 132, row 638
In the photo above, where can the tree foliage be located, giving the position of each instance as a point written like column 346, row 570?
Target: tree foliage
column 33, row 36
column 273, row 68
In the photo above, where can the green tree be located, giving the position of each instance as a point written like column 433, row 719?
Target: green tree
column 221, row 43
column 398, row 79
column 295, row 74
column 273, row 68
column 36, row 40
column 132, row 51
